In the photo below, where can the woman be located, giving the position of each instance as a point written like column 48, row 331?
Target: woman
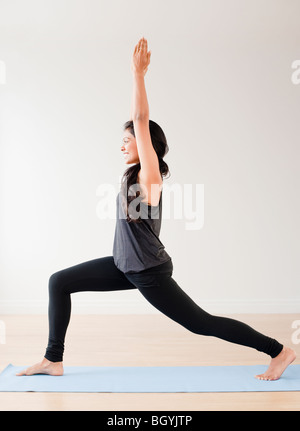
column 139, row 258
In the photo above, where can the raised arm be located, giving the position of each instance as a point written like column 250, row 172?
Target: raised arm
column 150, row 173
column 139, row 66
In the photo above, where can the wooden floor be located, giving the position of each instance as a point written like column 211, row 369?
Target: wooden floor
column 144, row 340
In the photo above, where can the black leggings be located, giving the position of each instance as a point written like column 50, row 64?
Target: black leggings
column 158, row 287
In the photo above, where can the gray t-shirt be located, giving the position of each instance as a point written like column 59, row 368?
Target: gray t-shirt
column 137, row 245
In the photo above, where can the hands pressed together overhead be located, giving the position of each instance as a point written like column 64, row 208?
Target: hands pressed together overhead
column 141, row 57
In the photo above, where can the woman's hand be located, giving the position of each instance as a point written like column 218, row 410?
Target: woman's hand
column 141, row 58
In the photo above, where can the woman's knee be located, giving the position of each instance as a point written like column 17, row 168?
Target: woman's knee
column 203, row 324
column 56, row 282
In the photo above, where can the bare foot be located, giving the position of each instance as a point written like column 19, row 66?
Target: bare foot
column 278, row 364
column 44, row 367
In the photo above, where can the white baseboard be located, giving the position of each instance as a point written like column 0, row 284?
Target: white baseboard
column 141, row 306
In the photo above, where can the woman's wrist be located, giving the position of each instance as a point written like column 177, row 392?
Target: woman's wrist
column 138, row 74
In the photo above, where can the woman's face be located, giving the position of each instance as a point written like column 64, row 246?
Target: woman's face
column 129, row 148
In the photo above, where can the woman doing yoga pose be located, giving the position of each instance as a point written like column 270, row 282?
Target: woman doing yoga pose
column 139, row 259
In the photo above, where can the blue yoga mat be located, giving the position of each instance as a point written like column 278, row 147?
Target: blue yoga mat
column 151, row 379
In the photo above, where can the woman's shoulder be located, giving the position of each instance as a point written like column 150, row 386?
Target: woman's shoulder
column 152, row 191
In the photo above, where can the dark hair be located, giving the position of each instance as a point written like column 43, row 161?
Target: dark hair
column 129, row 178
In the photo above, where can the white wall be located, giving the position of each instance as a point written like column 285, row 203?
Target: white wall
column 220, row 86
